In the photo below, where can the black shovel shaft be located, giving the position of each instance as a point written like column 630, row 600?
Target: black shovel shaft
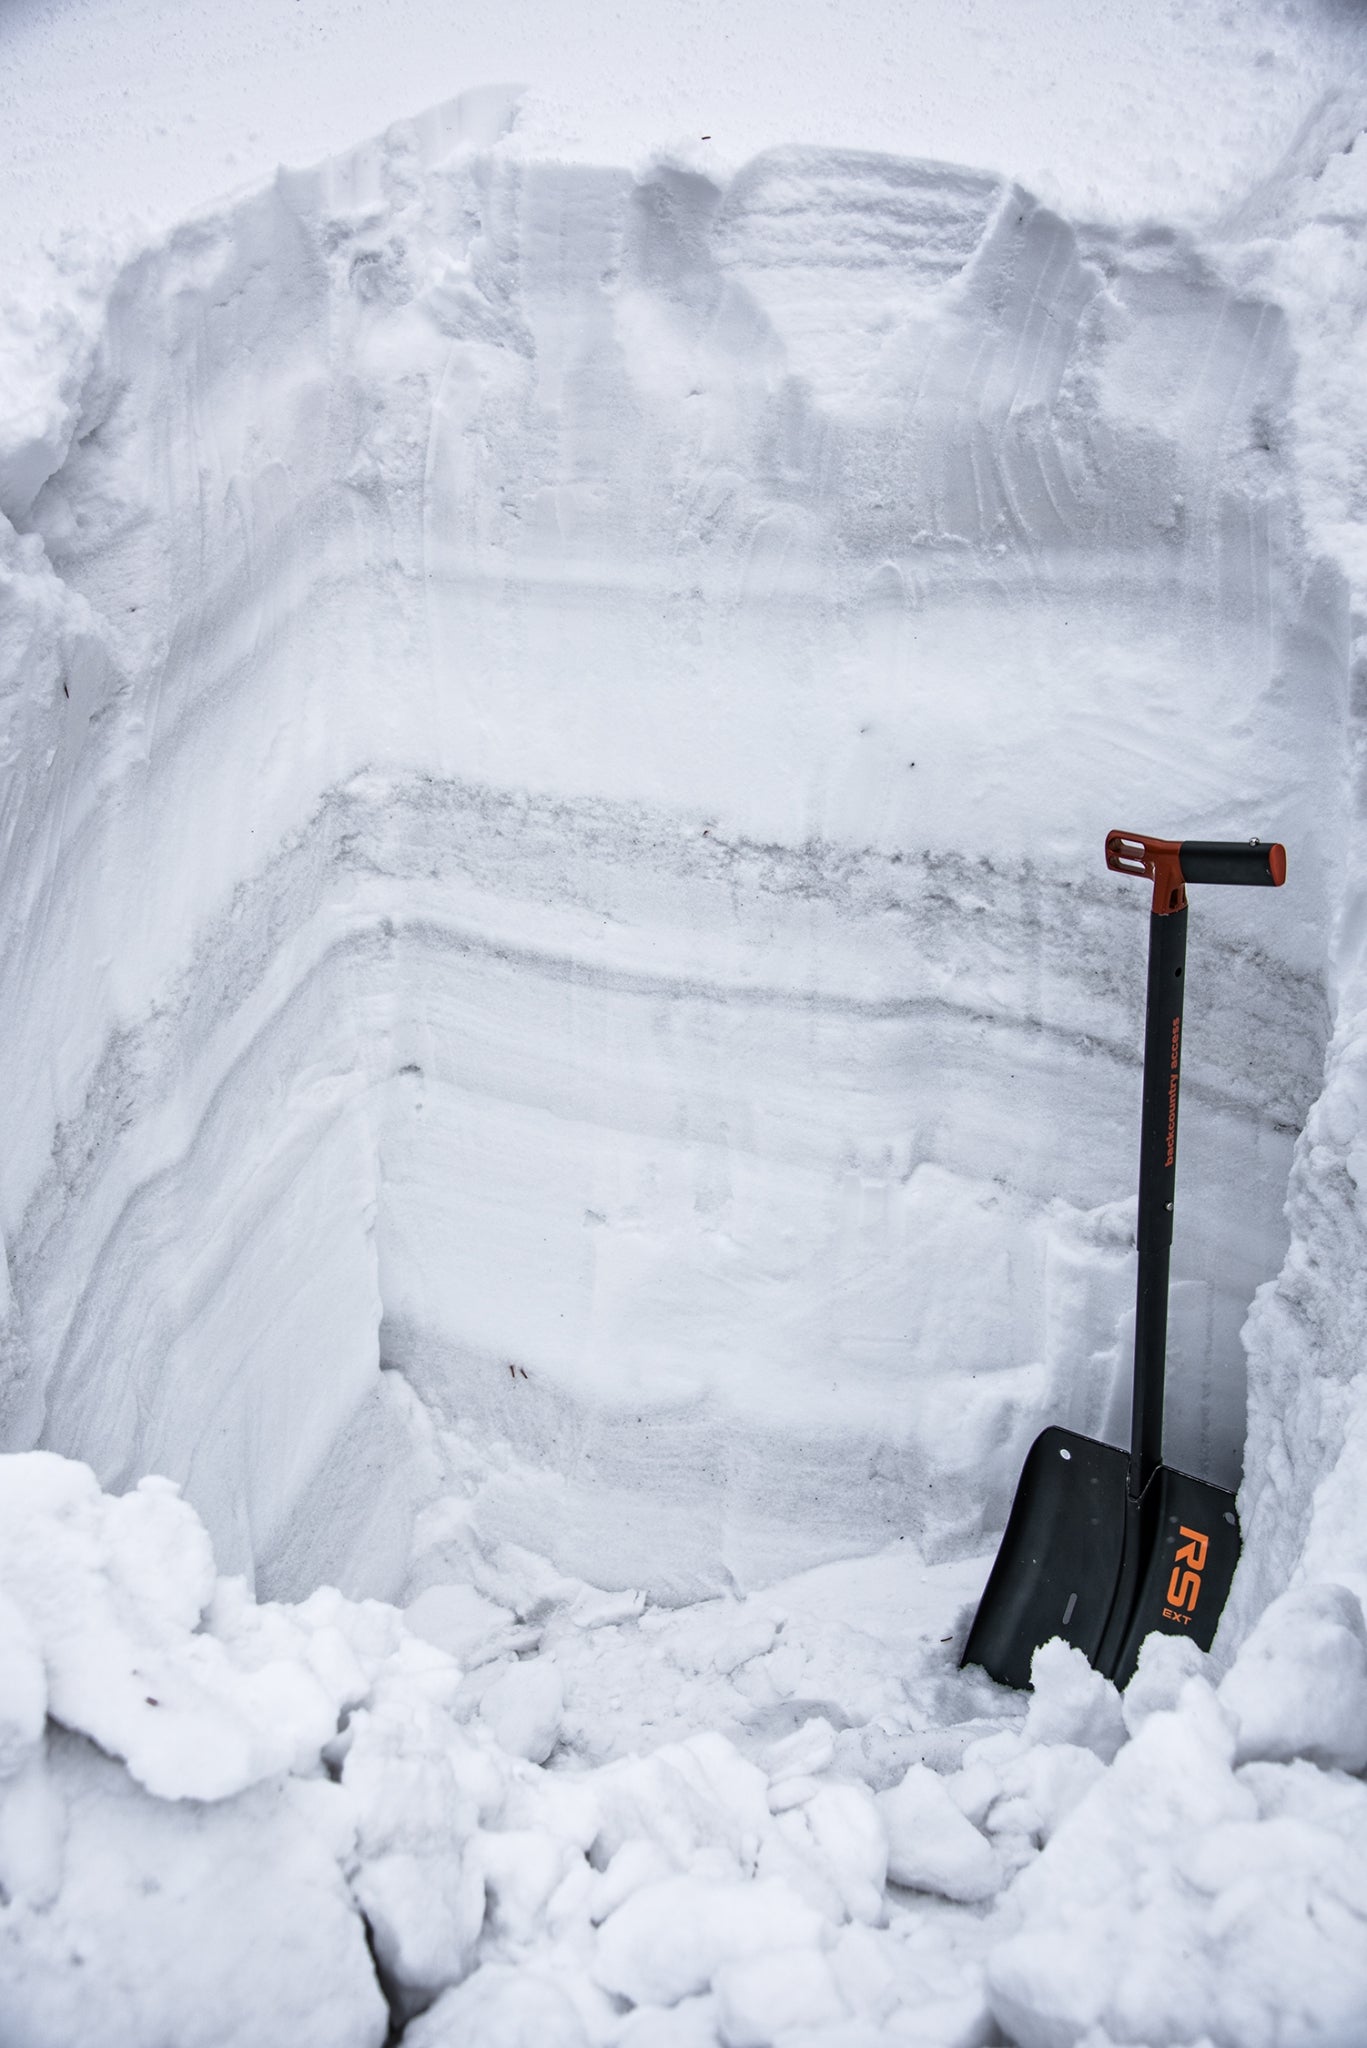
column 1170, row 864
column 1157, row 1188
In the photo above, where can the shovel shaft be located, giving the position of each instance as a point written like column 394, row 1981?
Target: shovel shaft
column 1157, row 1187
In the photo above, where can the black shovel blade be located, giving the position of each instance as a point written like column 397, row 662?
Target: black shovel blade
column 1058, row 1567
column 1062, row 1567
column 1191, row 1543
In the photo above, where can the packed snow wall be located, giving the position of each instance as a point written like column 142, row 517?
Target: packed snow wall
column 563, row 724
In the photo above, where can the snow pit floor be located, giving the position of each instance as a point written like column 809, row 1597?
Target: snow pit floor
column 868, row 1646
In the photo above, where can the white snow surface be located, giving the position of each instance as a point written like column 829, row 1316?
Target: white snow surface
column 572, row 1059
column 124, row 115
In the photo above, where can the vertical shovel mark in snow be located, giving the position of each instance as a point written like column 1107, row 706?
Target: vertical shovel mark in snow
column 545, row 578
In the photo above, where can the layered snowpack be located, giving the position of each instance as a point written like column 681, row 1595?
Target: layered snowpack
column 573, row 1068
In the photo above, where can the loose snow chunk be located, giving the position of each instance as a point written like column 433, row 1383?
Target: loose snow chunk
column 1072, row 1703
column 500, row 2007
column 742, row 1640
column 1184, row 1900
column 113, row 1590
column 460, row 1621
column 523, row 1707
column 931, row 1846
column 424, row 1914
column 694, row 1799
column 1166, row 1664
column 1299, row 1684
column 522, row 1869
column 809, row 1750
column 833, row 1849
column 594, row 1608
column 635, row 1865
column 762, row 1997
column 141, row 1563
column 669, row 1940
column 325, row 1634
column 173, row 1922
column 23, row 1688
column 558, row 1804
column 417, row 1786
column 1039, row 1789
column 32, row 1837
column 691, row 2024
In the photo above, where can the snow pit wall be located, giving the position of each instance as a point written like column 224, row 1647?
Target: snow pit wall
column 562, row 728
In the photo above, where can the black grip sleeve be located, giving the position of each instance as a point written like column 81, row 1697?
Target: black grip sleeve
column 1233, row 860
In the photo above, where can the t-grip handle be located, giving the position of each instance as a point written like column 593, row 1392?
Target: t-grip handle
column 1171, row 863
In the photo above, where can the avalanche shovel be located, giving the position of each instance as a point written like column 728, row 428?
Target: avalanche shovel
column 1102, row 1546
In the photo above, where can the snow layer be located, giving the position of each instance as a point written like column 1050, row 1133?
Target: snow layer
column 612, row 688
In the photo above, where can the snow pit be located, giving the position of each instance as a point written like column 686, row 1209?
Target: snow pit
column 574, row 1068
column 612, row 689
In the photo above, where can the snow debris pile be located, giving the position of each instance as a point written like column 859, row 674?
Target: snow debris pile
column 225, row 1821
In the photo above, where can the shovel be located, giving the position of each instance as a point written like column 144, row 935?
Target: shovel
column 1105, row 1546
